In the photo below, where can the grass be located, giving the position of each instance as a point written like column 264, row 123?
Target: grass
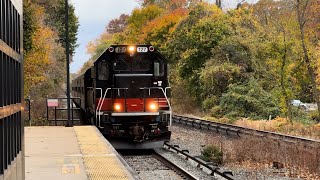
column 258, row 153
column 299, row 159
column 212, row 153
column 283, row 125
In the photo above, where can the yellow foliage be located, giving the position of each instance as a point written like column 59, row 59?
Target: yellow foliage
column 282, row 125
column 38, row 60
column 317, row 59
column 105, row 39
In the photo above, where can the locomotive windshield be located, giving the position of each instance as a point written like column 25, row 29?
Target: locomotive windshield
column 125, row 63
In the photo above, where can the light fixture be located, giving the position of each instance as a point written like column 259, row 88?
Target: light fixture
column 132, row 49
column 153, row 107
column 117, row 107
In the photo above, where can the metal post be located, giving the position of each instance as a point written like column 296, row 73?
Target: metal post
column 55, row 116
column 29, row 106
column 67, row 61
column 72, row 114
column 144, row 100
column 47, row 111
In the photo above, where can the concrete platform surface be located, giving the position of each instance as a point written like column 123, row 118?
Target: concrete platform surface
column 74, row 153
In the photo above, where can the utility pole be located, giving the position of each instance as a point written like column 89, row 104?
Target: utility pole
column 67, row 61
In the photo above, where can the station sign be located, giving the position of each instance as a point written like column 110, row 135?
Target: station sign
column 52, row 102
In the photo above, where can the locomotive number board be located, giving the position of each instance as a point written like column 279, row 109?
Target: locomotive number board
column 142, row 49
column 125, row 49
column 121, row 49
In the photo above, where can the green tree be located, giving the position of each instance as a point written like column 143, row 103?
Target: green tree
column 190, row 45
column 249, row 99
column 29, row 25
column 302, row 17
column 55, row 10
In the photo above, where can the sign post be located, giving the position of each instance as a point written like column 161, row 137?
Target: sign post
column 67, row 61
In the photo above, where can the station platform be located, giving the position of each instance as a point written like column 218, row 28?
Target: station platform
column 72, row 153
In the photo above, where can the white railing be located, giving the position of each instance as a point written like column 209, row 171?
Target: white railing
column 100, row 104
column 103, row 96
column 164, row 91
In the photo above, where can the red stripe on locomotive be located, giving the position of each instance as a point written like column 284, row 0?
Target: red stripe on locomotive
column 132, row 104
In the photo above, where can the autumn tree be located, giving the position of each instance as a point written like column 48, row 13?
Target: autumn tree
column 279, row 31
column 170, row 4
column 219, row 3
column 190, row 45
column 303, row 16
column 247, row 62
column 118, row 25
column 55, row 10
column 44, row 55
column 158, row 31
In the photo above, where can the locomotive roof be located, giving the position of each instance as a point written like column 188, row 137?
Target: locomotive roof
column 112, row 48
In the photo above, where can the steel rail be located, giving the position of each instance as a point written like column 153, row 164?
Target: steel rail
column 238, row 130
column 179, row 170
column 210, row 166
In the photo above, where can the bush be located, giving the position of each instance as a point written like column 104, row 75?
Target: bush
column 212, row 153
column 301, row 116
column 249, row 100
column 210, row 102
column 216, row 111
column 314, row 116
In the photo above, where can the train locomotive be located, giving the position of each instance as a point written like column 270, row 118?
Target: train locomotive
column 126, row 95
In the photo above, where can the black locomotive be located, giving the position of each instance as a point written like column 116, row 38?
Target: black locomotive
column 125, row 94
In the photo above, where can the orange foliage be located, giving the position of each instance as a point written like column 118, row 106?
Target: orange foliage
column 156, row 31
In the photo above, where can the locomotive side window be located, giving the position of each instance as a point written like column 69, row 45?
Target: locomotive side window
column 103, row 70
column 158, row 69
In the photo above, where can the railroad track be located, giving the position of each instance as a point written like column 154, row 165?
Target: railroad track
column 238, row 130
column 179, row 170
column 200, row 163
column 152, row 165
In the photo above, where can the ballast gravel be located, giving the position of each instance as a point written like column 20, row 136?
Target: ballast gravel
column 194, row 140
column 149, row 168
column 185, row 164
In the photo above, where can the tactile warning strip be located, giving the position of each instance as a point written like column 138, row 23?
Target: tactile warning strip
column 99, row 159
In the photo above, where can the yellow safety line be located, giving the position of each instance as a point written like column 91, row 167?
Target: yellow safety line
column 100, row 161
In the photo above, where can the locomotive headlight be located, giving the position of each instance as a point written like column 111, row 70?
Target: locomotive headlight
column 153, row 107
column 131, row 49
column 117, row 107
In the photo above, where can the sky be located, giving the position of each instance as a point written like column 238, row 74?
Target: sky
column 94, row 15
